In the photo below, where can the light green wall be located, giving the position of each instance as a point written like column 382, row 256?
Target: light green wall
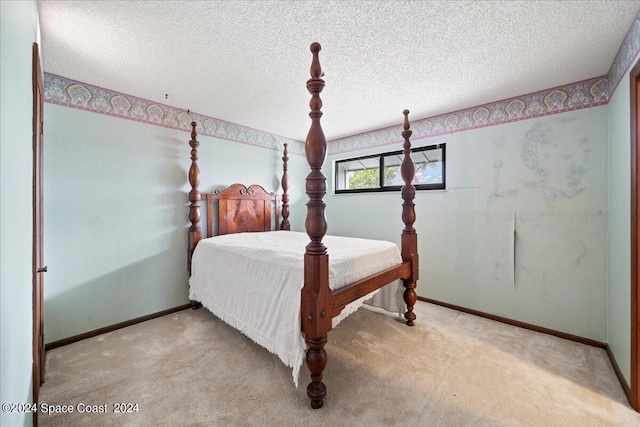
column 116, row 214
column 18, row 32
column 549, row 172
column 619, row 293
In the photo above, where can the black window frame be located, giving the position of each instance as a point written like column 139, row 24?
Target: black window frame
column 384, row 188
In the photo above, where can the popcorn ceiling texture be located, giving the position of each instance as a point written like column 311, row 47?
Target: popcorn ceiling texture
column 246, row 62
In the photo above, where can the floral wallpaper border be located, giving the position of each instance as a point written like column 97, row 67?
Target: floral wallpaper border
column 588, row 93
column 628, row 50
column 574, row 96
column 71, row 93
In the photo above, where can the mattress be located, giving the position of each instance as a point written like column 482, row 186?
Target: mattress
column 252, row 281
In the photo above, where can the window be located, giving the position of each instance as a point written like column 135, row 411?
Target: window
column 381, row 172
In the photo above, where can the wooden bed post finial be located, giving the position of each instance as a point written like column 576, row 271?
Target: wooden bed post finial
column 408, row 172
column 195, row 232
column 315, row 309
column 316, row 151
column 409, row 236
column 285, row 188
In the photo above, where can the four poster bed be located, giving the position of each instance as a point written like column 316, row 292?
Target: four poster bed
column 279, row 288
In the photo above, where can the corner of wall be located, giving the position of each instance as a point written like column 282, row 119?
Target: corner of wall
column 619, row 203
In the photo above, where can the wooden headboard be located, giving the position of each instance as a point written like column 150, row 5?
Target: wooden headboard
column 240, row 208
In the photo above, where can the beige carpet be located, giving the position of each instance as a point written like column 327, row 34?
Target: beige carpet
column 451, row 369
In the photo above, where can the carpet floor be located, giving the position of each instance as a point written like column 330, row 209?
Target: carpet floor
column 451, row 369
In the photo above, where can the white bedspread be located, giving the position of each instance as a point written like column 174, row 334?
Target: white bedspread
column 252, row 281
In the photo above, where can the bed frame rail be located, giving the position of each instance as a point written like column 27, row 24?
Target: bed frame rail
column 343, row 296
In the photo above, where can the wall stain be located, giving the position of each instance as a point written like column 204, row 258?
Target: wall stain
column 559, row 171
column 498, row 164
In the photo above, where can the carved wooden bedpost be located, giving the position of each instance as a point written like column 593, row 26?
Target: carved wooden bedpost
column 316, row 295
column 409, row 236
column 285, row 187
column 195, row 232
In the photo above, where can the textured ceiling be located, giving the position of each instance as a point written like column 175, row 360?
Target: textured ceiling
column 247, row 61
